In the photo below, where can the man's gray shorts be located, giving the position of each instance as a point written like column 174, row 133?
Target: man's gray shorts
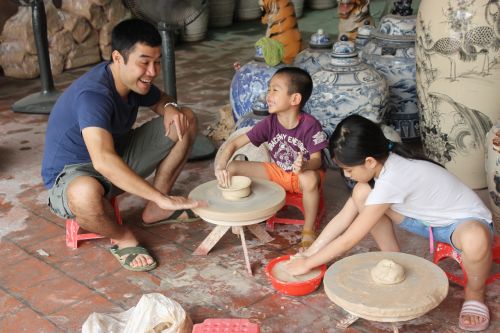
column 142, row 149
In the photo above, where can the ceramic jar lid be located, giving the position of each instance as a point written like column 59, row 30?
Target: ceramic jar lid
column 396, row 28
column 320, row 40
column 343, row 53
column 364, row 31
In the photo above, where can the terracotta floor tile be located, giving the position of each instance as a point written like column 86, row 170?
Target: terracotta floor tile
column 71, row 318
column 27, row 273
column 37, row 230
column 64, row 292
column 9, row 304
column 26, row 321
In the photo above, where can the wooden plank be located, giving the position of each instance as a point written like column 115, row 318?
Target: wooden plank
column 260, row 233
column 209, row 242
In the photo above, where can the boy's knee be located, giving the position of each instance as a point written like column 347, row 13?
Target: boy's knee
column 309, row 180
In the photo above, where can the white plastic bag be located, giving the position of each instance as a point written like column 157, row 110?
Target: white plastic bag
column 154, row 313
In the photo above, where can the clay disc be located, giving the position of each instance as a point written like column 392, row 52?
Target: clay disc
column 348, row 284
column 265, row 200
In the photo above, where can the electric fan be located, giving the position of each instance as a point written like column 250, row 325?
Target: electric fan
column 43, row 101
column 169, row 16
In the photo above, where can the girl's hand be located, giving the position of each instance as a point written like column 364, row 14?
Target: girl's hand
column 299, row 164
column 297, row 266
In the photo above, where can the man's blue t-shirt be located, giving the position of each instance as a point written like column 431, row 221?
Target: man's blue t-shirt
column 91, row 101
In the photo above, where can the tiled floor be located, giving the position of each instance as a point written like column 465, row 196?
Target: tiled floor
column 58, row 291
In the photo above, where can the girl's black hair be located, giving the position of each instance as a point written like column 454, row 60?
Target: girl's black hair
column 355, row 138
column 129, row 32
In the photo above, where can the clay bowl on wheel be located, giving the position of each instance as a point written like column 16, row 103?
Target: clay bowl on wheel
column 240, row 188
column 304, row 284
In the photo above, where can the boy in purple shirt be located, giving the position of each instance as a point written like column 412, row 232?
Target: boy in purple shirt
column 295, row 140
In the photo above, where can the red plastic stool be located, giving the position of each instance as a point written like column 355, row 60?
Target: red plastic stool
column 295, row 200
column 226, row 326
column 444, row 250
column 72, row 227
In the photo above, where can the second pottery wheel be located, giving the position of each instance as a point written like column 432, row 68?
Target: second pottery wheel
column 265, row 200
column 348, row 283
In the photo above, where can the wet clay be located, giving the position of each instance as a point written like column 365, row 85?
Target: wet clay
column 279, row 272
column 388, row 272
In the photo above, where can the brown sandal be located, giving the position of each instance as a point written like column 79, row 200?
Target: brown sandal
column 307, row 243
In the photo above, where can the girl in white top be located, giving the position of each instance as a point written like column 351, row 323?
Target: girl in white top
column 416, row 194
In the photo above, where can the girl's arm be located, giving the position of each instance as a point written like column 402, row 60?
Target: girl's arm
column 334, row 228
column 361, row 226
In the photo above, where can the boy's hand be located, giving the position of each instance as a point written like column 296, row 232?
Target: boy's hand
column 223, row 177
column 299, row 164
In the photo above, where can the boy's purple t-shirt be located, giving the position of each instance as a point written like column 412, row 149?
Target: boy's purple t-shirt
column 285, row 144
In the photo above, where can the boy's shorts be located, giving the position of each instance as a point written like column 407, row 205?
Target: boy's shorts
column 142, row 150
column 440, row 234
column 287, row 179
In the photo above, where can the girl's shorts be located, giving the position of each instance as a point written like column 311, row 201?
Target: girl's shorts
column 440, row 234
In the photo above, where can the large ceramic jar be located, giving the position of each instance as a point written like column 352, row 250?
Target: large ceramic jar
column 317, row 54
column 346, row 86
column 391, row 50
column 458, row 75
column 247, row 10
column 362, row 38
column 249, row 82
column 298, row 5
column 260, row 110
column 493, row 170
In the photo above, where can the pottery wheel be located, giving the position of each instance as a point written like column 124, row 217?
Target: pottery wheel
column 348, row 284
column 265, row 200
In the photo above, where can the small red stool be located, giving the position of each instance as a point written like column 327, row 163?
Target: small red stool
column 226, row 326
column 72, row 227
column 444, row 250
column 295, row 200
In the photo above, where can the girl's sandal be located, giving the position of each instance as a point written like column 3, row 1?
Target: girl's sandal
column 306, row 243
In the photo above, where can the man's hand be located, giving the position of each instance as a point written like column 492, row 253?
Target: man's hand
column 299, row 164
column 223, row 177
column 175, row 203
column 172, row 116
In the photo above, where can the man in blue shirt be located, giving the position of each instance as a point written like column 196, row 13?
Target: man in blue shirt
column 92, row 153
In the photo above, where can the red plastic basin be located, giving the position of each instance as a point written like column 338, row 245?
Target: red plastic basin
column 293, row 288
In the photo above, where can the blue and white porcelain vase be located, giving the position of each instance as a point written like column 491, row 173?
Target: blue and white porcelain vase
column 458, row 75
column 391, row 51
column 346, row 86
column 492, row 166
column 317, row 54
column 362, row 38
column 260, row 110
column 249, row 82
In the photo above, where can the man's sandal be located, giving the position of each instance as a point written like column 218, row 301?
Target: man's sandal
column 474, row 308
column 126, row 255
column 305, row 244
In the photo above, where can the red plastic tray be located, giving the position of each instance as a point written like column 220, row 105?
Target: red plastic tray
column 226, row 326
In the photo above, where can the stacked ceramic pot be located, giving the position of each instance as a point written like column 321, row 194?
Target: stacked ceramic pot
column 458, row 75
column 221, row 13
column 346, row 86
column 391, row 50
column 247, row 10
column 298, row 5
column 260, row 110
column 317, row 54
column 249, row 82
